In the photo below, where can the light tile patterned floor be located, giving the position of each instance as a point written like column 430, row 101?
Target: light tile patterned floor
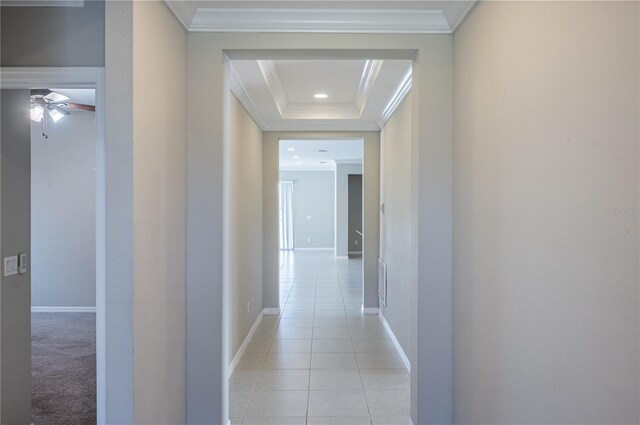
column 321, row 362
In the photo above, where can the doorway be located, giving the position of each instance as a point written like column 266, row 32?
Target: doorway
column 62, row 183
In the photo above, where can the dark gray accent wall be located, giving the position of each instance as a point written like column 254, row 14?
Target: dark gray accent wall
column 355, row 212
column 53, row 36
column 15, row 235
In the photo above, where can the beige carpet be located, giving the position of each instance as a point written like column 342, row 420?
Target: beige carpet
column 63, row 368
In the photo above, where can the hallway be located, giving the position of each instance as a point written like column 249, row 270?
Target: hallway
column 322, row 361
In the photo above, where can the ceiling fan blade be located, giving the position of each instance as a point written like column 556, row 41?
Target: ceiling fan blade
column 80, row 106
column 60, row 109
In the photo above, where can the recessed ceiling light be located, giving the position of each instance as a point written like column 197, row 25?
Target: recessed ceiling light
column 291, row 149
column 321, row 95
column 295, row 156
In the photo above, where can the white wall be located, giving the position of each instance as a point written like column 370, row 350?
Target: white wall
column 342, row 206
column 245, row 224
column 395, row 222
column 546, row 205
column 313, row 196
column 160, row 216
column 63, row 233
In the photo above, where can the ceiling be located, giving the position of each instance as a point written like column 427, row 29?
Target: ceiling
column 279, row 94
column 351, row 16
column 86, row 96
column 348, row 151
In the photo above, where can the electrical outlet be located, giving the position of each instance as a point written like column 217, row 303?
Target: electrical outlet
column 356, row 241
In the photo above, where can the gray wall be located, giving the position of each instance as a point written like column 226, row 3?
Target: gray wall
column 355, row 212
column 245, row 225
column 342, row 206
column 63, row 216
column 53, row 36
column 313, row 195
column 160, row 216
column 546, row 213
column 15, row 228
column 395, row 222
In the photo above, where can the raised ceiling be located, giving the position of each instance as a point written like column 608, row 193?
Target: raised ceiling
column 279, row 94
column 319, row 154
column 354, row 16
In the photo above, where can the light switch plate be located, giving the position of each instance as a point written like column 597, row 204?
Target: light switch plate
column 11, row 265
column 22, row 263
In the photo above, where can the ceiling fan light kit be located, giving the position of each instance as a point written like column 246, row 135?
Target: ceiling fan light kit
column 47, row 104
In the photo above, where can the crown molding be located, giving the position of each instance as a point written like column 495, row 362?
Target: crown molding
column 184, row 11
column 322, row 125
column 238, row 88
column 368, row 78
column 268, row 70
column 401, row 92
column 271, row 18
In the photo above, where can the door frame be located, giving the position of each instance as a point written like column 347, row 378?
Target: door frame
column 75, row 77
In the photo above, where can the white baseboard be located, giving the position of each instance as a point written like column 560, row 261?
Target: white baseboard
column 342, row 257
column 243, row 347
column 271, row 311
column 401, row 352
column 313, row 249
column 369, row 310
column 63, row 309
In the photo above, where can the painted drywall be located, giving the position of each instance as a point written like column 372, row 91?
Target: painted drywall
column 431, row 165
column 160, row 219
column 53, row 36
column 15, row 227
column 342, row 206
column 355, row 212
column 63, row 212
column 245, row 224
column 395, row 220
column 119, row 212
column 313, row 208
column 546, row 213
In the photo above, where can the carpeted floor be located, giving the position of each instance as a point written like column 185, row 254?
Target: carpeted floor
column 63, row 356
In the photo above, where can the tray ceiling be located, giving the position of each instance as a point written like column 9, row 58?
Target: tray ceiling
column 360, row 94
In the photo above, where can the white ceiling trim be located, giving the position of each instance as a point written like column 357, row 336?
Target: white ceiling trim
column 389, row 20
column 397, row 98
column 238, row 88
column 268, row 70
column 369, row 75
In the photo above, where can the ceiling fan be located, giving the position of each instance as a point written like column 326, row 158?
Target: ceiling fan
column 47, row 104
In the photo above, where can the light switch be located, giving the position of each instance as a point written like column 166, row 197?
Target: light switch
column 11, row 265
column 308, row 217
column 22, row 263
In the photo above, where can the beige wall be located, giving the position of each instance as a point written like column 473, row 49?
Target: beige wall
column 245, row 225
column 546, row 213
column 395, row 222
column 159, row 176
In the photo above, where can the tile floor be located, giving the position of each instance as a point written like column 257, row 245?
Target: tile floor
column 321, row 362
